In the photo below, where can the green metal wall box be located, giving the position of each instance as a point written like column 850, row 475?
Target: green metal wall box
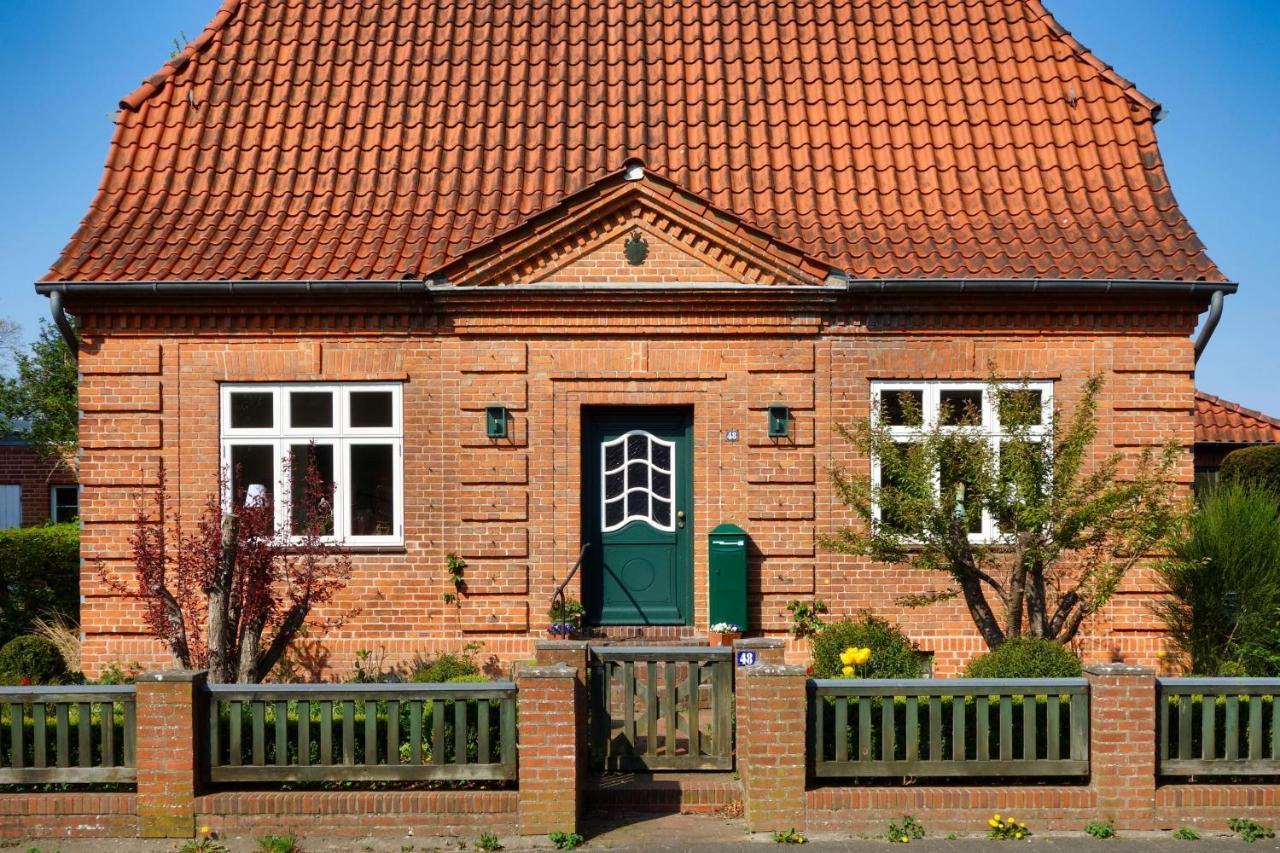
column 727, row 575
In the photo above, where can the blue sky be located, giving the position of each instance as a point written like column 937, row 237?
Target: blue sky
column 1212, row 63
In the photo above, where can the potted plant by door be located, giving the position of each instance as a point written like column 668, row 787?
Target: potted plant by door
column 566, row 620
column 724, row 633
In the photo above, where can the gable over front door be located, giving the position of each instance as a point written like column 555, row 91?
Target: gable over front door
column 637, row 516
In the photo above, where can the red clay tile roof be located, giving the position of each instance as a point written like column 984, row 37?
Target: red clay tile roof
column 377, row 139
column 1219, row 420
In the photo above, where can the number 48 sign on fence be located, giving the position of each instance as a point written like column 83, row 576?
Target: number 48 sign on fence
column 746, row 657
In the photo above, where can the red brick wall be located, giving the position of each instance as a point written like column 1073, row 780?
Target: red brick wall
column 20, row 466
column 511, row 508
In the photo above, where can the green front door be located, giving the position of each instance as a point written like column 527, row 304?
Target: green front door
column 637, row 516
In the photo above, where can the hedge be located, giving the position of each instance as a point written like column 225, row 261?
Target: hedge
column 39, row 576
column 1257, row 466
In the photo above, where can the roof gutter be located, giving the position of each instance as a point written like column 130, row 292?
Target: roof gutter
column 1037, row 285
column 838, row 281
column 1210, row 324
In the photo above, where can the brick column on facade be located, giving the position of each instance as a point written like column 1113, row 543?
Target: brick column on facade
column 572, row 653
column 771, row 704
column 767, row 649
column 550, row 699
column 169, row 727
column 1122, row 743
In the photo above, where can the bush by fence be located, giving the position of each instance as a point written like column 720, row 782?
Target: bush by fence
column 39, row 576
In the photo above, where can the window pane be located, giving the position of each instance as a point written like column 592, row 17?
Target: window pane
column 958, row 498
column 66, row 504
column 960, row 408
column 901, row 408
column 252, row 471
column 662, row 513
column 252, row 410
column 638, row 503
column 613, row 512
column 311, row 496
column 371, row 409
column 372, row 490
column 311, row 409
column 893, row 492
column 638, row 475
column 1020, row 407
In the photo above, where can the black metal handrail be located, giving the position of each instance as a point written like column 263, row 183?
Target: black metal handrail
column 557, row 598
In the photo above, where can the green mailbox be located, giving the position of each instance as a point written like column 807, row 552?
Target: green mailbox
column 727, row 577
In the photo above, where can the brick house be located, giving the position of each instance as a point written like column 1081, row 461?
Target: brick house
column 1223, row 426
column 34, row 490
column 536, row 276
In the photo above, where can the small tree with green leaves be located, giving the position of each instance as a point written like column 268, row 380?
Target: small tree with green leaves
column 41, row 399
column 1066, row 531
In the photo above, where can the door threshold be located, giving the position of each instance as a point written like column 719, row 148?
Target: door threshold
column 685, row 635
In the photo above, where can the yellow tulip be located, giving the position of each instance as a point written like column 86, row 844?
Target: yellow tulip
column 847, row 671
column 847, row 656
column 861, row 656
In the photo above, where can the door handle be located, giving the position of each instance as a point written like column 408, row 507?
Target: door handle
column 680, row 518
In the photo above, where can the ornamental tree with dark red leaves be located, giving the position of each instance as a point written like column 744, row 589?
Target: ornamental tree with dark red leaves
column 233, row 591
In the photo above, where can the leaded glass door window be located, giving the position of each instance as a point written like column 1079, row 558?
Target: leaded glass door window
column 637, row 481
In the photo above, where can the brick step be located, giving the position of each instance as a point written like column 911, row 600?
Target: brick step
column 702, row 793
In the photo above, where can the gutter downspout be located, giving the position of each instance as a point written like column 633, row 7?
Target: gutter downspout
column 1210, row 323
column 64, row 324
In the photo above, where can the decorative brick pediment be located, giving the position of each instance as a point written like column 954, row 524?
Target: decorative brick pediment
column 644, row 231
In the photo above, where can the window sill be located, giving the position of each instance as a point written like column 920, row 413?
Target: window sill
column 361, row 549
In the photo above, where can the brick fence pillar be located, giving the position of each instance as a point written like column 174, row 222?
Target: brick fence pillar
column 572, row 653
column 1122, row 743
column 767, row 649
column 550, row 699
column 771, row 705
column 169, row 729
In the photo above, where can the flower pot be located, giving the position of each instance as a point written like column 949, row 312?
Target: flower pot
column 726, row 638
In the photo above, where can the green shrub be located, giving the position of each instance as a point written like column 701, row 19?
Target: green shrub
column 446, row 667
column 1222, row 576
column 1101, row 829
column 1025, row 657
column 39, row 576
column 31, row 660
column 892, row 654
column 1253, row 466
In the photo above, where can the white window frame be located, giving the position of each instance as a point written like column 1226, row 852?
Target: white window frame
column 340, row 436
column 627, row 488
column 989, row 430
column 53, row 499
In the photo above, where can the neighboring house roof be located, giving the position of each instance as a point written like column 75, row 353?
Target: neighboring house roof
column 885, row 138
column 1224, row 422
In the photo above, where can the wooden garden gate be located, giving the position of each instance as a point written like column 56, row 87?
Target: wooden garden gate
column 661, row 708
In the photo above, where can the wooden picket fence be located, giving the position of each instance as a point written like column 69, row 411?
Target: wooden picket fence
column 67, row 735
column 949, row 727
column 1219, row 726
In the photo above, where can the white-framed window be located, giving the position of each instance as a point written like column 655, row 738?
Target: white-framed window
column 908, row 409
column 638, row 481
column 64, row 503
column 354, row 429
